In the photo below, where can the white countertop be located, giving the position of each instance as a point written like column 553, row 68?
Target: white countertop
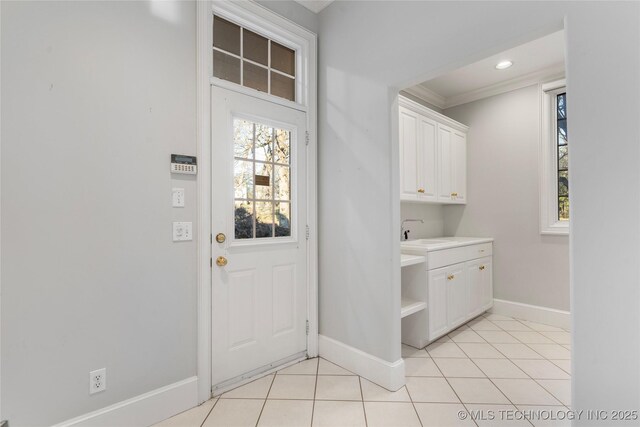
column 439, row 243
column 406, row 259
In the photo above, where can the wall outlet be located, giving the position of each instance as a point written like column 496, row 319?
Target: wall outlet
column 178, row 197
column 97, row 380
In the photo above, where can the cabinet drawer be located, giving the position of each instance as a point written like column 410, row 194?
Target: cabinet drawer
column 479, row 251
column 437, row 259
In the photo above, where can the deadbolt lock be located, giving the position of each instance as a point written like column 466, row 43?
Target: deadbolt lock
column 220, row 237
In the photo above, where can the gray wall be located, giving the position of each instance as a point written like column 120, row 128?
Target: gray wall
column 360, row 74
column 294, row 12
column 503, row 199
column 605, row 205
column 95, row 98
column 432, row 215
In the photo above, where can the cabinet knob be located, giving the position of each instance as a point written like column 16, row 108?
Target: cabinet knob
column 451, row 277
column 420, row 190
column 482, row 267
column 454, row 194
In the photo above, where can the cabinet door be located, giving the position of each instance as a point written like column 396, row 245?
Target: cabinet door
column 486, row 269
column 437, row 302
column 444, row 164
column 427, row 152
column 457, row 295
column 459, row 167
column 476, row 286
column 408, row 154
column 480, row 285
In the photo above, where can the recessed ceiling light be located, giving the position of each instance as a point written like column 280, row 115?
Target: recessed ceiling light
column 503, row 65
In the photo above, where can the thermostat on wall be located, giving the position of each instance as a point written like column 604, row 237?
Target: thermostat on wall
column 183, row 164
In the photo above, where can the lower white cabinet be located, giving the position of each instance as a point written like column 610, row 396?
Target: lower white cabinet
column 437, row 302
column 459, row 287
column 457, row 295
column 480, row 274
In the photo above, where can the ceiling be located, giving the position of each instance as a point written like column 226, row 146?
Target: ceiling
column 315, row 5
column 532, row 62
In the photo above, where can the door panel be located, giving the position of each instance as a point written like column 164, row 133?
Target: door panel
column 487, row 283
column 241, row 323
column 408, row 149
column 480, row 285
column 437, row 302
column 459, row 166
column 284, row 298
column 427, row 160
column 457, row 295
column 445, row 186
column 259, row 298
column 476, row 287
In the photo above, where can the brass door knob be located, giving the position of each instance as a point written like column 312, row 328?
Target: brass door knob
column 221, row 261
column 220, row 237
column 420, row 190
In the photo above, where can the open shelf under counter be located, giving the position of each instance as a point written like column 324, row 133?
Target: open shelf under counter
column 406, row 260
column 409, row 306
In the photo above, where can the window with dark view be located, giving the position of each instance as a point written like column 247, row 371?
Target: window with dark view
column 246, row 58
column 563, row 156
column 262, row 180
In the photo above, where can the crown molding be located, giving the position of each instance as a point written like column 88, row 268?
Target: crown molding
column 315, row 5
column 427, row 95
column 428, row 112
column 541, row 76
column 551, row 73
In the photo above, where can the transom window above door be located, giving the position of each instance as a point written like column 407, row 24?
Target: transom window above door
column 262, row 180
column 249, row 59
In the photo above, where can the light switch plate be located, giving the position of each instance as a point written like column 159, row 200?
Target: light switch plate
column 178, row 197
column 182, row 231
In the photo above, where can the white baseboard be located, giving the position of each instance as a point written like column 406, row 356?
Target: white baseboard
column 533, row 313
column 143, row 410
column 389, row 375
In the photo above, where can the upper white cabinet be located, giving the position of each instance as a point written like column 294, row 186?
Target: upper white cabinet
column 418, row 151
column 433, row 156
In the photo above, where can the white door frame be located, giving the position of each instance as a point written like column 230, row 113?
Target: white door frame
column 254, row 15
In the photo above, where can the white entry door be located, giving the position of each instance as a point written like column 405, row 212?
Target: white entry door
column 259, row 289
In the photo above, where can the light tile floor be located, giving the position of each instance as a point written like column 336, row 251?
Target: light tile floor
column 493, row 363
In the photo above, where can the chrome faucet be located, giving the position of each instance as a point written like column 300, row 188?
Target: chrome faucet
column 404, row 234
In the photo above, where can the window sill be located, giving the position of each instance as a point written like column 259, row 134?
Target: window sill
column 557, row 229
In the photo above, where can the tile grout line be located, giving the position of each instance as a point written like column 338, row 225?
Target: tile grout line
column 265, row 398
column 315, row 390
column 364, row 409
column 510, row 360
column 411, row 398
column 543, row 358
column 451, row 387
column 490, row 380
column 210, row 410
column 456, row 393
